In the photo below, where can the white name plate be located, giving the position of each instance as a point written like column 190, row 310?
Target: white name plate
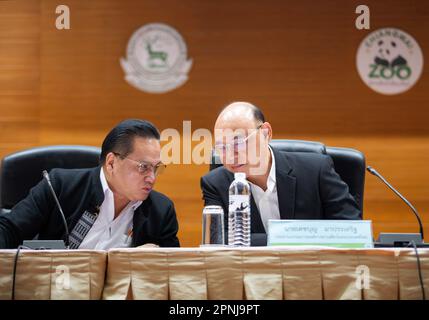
column 328, row 233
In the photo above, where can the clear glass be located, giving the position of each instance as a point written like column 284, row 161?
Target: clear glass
column 213, row 226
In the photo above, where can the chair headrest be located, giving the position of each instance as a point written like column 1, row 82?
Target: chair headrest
column 22, row 170
column 298, row 146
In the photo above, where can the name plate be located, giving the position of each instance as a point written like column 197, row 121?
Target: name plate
column 327, row 233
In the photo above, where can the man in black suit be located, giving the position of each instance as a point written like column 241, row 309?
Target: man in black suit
column 284, row 185
column 112, row 205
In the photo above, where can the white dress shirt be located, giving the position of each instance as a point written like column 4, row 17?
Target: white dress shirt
column 267, row 201
column 107, row 232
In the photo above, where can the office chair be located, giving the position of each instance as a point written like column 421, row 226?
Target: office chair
column 22, row 170
column 348, row 163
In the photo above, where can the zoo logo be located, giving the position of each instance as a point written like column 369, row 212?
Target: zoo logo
column 156, row 59
column 389, row 61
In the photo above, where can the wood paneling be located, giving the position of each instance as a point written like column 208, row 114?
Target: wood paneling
column 295, row 59
column 19, row 74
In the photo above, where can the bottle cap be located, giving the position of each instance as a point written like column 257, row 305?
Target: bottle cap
column 240, row 175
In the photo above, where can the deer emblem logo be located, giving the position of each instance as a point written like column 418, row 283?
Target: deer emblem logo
column 156, row 56
column 156, row 60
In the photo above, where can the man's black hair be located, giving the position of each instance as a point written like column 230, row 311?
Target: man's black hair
column 257, row 114
column 121, row 138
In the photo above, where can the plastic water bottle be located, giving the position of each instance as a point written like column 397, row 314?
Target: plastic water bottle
column 239, row 212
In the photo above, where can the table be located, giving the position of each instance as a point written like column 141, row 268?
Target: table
column 53, row 274
column 217, row 273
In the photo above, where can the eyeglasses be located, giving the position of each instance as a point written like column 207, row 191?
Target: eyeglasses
column 144, row 167
column 237, row 145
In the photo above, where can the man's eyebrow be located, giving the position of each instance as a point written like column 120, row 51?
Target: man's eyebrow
column 149, row 162
column 230, row 138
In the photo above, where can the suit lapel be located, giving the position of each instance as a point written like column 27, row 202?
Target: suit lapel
column 96, row 198
column 97, row 189
column 256, row 224
column 139, row 221
column 140, row 214
column 286, row 185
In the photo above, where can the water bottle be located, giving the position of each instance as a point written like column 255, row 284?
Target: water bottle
column 239, row 212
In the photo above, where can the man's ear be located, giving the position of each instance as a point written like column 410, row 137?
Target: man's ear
column 110, row 161
column 267, row 130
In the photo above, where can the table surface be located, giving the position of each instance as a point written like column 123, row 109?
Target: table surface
column 215, row 273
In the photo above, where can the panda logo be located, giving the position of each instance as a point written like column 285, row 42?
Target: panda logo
column 389, row 61
column 387, row 55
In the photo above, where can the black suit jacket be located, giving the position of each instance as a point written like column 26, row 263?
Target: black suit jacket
column 307, row 188
column 79, row 190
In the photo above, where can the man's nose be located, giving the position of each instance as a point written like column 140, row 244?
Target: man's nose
column 234, row 158
column 150, row 177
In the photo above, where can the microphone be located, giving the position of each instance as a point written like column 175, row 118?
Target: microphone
column 47, row 178
column 42, row 244
column 375, row 173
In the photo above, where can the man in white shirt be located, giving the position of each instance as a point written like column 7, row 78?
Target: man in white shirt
column 267, row 200
column 284, row 185
column 109, row 206
column 110, row 229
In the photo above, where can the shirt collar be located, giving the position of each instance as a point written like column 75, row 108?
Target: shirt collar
column 106, row 189
column 271, row 180
column 103, row 180
column 271, row 183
